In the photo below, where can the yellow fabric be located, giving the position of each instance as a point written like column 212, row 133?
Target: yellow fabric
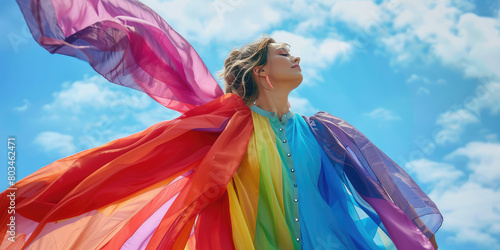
column 260, row 171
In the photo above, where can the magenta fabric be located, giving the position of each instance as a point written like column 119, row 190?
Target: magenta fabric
column 126, row 42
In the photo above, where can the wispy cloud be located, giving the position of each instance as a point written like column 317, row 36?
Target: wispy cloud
column 423, row 90
column 471, row 213
column 435, row 174
column 315, row 54
column 417, row 78
column 54, row 142
column 361, row 14
column 484, row 161
column 441, row 29
column 382, row 114
column 93, row 93
column 155, row 115
column 301, row 105
column 453, row 124
column 94, row 112
column 469, row 202
column 23, row 107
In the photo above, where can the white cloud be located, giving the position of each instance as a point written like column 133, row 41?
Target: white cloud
column 436, row 174
column 221, row 21
column 470, row 211
column 464, row 5
column 155, row 115
column 491, row 137
column 399, row 45
column 423, row 90
column 218, row 21
column 415, row 77
column 361, row 14
column 229, row 22
column 481, row 36
column 315, row 54
column 442, row 30
column 54, row 142
column 453, row 122
column 488, row 135
column 423, row 79
column 453, row 125
column 96, row 93
column 22, row 108
column 469, row 202
column 487, row 96
column 301, row 105
column 382, row 114
column 484, row 161
column 95, row 111
column 417, row 80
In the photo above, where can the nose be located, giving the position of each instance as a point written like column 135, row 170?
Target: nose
column 296, row 60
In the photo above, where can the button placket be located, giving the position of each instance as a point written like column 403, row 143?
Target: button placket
column 281, row 125
column 281, row 134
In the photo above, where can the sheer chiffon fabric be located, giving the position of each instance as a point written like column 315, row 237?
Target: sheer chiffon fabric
column 218, row 176
column 126, row 42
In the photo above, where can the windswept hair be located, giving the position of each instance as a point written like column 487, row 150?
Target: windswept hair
column 237, row 74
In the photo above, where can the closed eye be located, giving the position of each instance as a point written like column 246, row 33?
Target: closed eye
column 284, row 54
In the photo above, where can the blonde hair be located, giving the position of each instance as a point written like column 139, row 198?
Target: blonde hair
column 237, row 74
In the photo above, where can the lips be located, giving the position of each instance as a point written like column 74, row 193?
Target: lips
column 296, row 66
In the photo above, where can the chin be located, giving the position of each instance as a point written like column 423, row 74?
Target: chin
column 295, row 84
column 299, row 80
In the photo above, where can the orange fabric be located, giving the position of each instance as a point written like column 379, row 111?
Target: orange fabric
column 95, row 178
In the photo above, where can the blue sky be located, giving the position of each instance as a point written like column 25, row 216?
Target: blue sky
column 421, row 79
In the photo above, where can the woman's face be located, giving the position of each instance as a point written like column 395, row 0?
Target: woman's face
column 282, row 68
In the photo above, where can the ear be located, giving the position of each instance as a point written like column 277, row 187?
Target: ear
column 260, row 68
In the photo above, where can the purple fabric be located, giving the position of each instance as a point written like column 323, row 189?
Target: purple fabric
column 377, row 178
column 126, row 42
column 400, row 228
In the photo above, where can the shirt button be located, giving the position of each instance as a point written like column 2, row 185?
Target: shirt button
column 296, row 219
column 298, row 239
column 281, row 129
column 284, row 141
column 288, row 155
column 295, row 185
column 284, row 115
column 293, row 170
column 296, row 200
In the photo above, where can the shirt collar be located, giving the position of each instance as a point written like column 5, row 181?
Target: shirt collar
column 271, row 115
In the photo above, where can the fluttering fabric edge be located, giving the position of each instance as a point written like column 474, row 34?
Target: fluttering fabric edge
column 374, row 177
column 126, row 42
column 82, row 182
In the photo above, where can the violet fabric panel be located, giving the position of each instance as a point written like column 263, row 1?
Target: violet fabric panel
column 126, row 42
column 377, row 177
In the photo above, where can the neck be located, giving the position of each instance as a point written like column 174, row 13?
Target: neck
column 275, row 101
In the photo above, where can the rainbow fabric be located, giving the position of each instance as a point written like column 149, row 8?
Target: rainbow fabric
column 220, row 176
column 285, row 171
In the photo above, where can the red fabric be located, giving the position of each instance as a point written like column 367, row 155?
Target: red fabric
column 214, row 227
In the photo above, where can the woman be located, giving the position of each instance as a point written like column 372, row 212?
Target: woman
column 235, row 170
column 263, row 74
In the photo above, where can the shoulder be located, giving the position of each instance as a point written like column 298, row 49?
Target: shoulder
column 325, row 119
column 324, row 116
